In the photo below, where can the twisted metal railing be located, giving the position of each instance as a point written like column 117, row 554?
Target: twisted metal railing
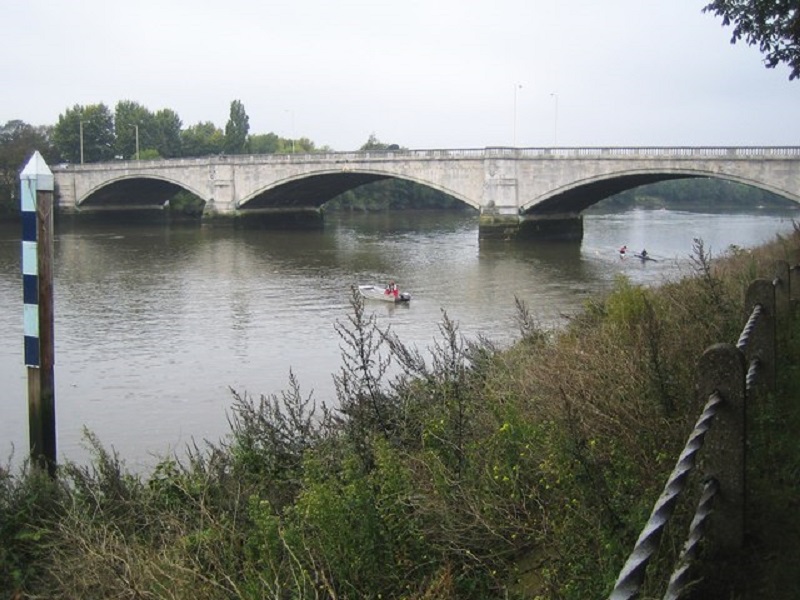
column 681, row 577
column 752, row 370
column 631, row 577
column 753, row 349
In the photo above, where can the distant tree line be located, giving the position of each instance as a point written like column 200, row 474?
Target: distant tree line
column 692, row 193
column 95, row 133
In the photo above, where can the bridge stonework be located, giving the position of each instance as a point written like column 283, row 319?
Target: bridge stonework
column 539, row 192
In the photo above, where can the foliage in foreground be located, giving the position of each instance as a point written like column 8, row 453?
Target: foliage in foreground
column 771, row 25
column 463, row 472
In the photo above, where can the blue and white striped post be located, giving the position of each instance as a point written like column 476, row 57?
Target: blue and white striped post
column 36, row 181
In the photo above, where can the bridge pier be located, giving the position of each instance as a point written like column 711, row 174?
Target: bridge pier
column 557, row 227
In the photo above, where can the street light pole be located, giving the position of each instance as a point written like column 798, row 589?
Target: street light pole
column 555, row 120
column 137, row 141
column 517, row 86
column 80, row 128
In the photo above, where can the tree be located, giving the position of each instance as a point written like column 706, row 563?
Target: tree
column 202, row 139
column 373, row 143
column 264, row 143
column 88, row 127
column 18, row 140
column 168, row 133
column 132, row 121
column 773, row 25
column 237, row 129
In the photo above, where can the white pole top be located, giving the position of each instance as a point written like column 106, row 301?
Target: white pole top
column 37, row 169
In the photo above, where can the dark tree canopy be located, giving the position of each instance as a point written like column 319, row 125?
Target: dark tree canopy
column 202, row 139
column 18, row 140
column 237, row 128
column 772, row 25
column 168, row 133
column 85, row 132
column 131, row 121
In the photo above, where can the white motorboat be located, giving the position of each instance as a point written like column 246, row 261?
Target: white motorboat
column 377, row 292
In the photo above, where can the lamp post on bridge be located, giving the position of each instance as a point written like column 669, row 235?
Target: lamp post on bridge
column 80, row 129
column 555, row 120
column 137, row 141
column 517, row 86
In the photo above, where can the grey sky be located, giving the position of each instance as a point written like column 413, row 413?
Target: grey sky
column 420, row 73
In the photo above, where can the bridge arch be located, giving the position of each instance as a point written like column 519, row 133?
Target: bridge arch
column 135, row 191
column 577, row 196
column 313, row 189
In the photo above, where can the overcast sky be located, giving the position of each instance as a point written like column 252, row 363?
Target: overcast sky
column 419, row 73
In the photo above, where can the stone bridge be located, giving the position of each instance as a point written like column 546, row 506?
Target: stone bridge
column 537, row 192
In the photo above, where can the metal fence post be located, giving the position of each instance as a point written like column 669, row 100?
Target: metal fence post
column 722, row 369
column 761, row 344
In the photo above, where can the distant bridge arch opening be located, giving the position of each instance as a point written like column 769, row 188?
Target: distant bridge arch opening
column 312, row 190
column 134, row 192
column 580, row 195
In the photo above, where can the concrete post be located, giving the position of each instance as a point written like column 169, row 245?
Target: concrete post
column 794, row 287
column 782, row 292
column 722, row 369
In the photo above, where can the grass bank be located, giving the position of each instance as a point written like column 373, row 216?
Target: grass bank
column 524, row 472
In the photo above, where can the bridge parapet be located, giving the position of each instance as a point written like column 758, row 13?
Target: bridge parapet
column 625, row 152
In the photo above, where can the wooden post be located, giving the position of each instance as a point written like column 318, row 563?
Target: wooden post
column 36, row 182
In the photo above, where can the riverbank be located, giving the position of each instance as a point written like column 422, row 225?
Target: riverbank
column 526, row 472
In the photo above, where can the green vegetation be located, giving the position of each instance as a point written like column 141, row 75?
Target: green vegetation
column 237, row 129
column 688, row 194
column 17, row 142
column 478, row 472
column 186, row 204
column 772, row 25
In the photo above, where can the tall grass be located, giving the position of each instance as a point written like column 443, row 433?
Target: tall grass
column 524, row 472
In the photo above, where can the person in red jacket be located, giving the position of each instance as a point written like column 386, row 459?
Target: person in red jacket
column 392, row 290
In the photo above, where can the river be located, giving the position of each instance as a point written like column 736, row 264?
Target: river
column 154, row 324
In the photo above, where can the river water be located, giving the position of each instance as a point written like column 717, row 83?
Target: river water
column 154, row 324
